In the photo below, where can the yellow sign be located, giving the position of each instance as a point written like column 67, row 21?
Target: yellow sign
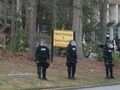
column 62, row 38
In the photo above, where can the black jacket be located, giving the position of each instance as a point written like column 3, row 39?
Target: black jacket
column 107, row 54
column 42, row 54
column 71, row 54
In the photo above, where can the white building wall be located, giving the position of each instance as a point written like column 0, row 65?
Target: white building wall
column 113, row 13
column 107, row 13
column 119, row 21
column 118, row 13
column 119, row 33
column 113, row 17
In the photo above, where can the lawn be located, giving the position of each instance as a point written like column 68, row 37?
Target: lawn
column 89, row 72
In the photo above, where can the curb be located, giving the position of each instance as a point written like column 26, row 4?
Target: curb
column 88, row 86
column 77, row 87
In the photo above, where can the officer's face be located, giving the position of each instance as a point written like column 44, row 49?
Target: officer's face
column 42, row 44
column 107, row 38
column 73, row 43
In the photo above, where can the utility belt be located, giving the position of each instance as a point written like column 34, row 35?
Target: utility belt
column 109, row 64
column 46, row 65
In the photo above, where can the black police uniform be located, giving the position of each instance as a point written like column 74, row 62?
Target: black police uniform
column 71, row 61
column 118, row 46
column 42, row 55
column 107, row 55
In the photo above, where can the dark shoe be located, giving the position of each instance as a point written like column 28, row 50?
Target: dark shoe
column 39, row 77
column 107, row 77
column 112, row 77
column 69, row 77
column 73, row 78
column 45, row 79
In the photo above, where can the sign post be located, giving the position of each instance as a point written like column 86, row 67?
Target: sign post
column 52, row 47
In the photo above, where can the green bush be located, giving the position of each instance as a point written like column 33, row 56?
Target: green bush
column 89, row 46
column 21, row 41
column 44, row 36
column 60, row 52
column 116, row 57
column 100, row 54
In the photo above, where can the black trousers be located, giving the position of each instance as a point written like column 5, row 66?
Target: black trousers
column 109, row 71
column 71, row 70
column 41, row 70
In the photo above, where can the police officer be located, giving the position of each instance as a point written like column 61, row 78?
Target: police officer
column 71, row 59
column 107, row 55
column 118, row 46
column 42, row 58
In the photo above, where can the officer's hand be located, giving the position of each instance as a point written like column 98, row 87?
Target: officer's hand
column 106, row 63
column 37, row 61
column 76, row 61
column 48, row 61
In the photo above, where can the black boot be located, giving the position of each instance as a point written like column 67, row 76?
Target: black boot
column 73, row 72
column 111, row 73
column 44, row 73
column 39, row 74
column 69, row 73
column 107, row 73
column 39, row 70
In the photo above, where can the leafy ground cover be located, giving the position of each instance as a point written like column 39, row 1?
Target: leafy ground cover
column 89, row 72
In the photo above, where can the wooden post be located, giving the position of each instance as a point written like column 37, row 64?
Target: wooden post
column 52, row 46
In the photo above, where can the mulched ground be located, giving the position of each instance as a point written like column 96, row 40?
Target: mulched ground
column 84, row 67
column 88, row 72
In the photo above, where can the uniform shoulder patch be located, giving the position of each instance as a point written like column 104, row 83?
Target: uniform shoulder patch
column 73, row 48
column 43, row 49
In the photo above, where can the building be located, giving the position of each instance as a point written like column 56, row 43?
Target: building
column 1, row 9
column 113, row 18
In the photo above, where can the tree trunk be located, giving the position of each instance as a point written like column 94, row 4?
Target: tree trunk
column 32, row 27
column 19, row 12
column 54, row 8
column 26, row 5
column 103, row 12
column 19, row 2
column 77, row 26
column 5, row 12
column 13, row 26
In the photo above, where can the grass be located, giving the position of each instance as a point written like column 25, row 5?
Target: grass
column 57, row 75
column 32, row 83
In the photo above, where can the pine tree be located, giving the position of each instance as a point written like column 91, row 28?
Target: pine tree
column 32, row 27
column 77, row 25
column 103, row 12
column 13, row 26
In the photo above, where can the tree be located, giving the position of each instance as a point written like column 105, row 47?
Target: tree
column 90, row 18
column 32, row 27
column 13, row 26
column 27, row 11
column 19, row 12
column 77, row 25
column 5, row 11
column 103, row 12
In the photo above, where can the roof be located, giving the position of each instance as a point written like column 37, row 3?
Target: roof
column 114, row 1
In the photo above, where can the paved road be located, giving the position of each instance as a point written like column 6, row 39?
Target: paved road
column 112, row 87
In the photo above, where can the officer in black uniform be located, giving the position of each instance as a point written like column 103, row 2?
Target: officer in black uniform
column 107, row 55
column 71, row 59
column 118, row 46
column 42, row 58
